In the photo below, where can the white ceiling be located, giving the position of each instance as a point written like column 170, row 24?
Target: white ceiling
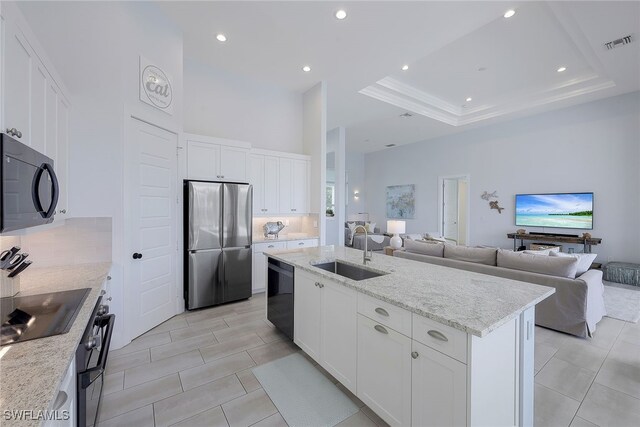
column 443, row 42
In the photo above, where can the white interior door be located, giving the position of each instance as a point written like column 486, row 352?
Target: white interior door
column 150, row 217
column 450, row 209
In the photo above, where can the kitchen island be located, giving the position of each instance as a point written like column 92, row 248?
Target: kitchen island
column 420, row 344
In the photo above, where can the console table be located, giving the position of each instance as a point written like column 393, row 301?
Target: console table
column 554, row 238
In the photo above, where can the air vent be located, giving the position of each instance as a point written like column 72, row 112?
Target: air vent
column 406, row 115
column 390, row 145
column 618, row 43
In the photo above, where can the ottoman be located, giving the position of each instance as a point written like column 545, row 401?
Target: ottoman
column 623, row 272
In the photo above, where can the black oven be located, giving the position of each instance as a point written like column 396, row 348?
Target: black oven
column 29, row 187
column 91, row 360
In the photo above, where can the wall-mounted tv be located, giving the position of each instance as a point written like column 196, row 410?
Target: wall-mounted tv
column 557, row 210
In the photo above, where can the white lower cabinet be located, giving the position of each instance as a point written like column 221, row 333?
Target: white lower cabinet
column 64, row 402
column 438, row 389
column 307, row 312
column 259, row 264
column 429, row 374
column 326, row 325
column 338, row 333
column 298, row 244
column 384, row 371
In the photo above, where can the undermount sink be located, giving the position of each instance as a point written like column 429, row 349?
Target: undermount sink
column 349, row 271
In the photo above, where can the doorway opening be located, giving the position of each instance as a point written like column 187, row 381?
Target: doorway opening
column 453, row 208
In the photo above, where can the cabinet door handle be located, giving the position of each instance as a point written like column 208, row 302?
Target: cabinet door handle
column 316, row 284
column 381, row 329
column 62, row 211
column 382, row 311
column 301, row 243
column 414, row 354
column 270, row 246
column 320, row 285
column 437, row 335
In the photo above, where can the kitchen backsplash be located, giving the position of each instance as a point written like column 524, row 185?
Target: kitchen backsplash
column 293, row 224
column 78, row 241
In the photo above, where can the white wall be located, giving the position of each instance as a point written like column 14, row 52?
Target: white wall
column 592, row 147
column 355, row 172
column 314, row 140
column 95, row 47
column 230, row 106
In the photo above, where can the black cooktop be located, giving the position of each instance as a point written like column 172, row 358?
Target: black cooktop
column 37, row 316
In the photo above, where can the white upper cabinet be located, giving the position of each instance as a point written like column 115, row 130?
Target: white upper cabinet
column 216, row 159
column 294, row 186
column 263, row 175
column 35, row 111
column 17, row 62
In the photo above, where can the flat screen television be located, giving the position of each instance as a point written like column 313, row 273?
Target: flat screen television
column 556, row 210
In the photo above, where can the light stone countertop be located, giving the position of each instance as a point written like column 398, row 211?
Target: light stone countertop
column 31, row 372
column 284, row 237
column 471, row 302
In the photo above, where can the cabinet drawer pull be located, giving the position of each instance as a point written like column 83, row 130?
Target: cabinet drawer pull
column 382, row 311
column 301, row 243
column 270, row 246
column 381, row 329
column 437, row 335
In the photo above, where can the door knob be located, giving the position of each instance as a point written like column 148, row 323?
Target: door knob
column 137, row 255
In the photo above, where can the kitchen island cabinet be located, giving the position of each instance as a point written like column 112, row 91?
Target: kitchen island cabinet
column 435, row 345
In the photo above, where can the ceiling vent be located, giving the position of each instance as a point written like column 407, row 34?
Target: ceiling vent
column 390, row 145
column 618, row 43
column 406, row 115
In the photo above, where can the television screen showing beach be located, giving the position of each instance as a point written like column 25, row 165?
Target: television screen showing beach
column 571, row 210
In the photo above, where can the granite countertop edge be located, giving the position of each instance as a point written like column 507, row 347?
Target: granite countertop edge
column 30, row 375
column 309, row 267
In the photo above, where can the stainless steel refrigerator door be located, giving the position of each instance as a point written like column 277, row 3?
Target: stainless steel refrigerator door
column 237, row 217
column 205, row 278
column 237, row 273
column 205, row 215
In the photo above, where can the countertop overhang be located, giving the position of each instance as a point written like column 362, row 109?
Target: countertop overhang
column 32, row 371
column 471, row 302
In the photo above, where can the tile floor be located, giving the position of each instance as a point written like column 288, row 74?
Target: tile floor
column 195, row 370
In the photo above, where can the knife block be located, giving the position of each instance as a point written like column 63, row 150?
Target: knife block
column 8, row 286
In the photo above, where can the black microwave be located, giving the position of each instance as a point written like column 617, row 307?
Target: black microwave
column 29, row 187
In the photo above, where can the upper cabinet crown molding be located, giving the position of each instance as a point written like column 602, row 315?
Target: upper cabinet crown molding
column 216, row 140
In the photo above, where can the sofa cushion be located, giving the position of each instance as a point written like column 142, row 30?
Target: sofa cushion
column 485, row 256
column 584, row 260
column 549, row 265
column 543, row 251
column 424, row 247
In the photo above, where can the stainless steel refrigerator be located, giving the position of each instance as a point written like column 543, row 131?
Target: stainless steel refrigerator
column 217, row 241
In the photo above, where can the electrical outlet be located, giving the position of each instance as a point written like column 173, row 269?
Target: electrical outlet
column 315, row 224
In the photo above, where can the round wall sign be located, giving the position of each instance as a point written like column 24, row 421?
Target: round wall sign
column 157, row 86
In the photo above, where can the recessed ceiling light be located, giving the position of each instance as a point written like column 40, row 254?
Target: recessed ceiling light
column 469, row 99
column 341, row 14
column 221, row 37
column 405, row 67
column 561, row 69
column 509, row 13
column 306, row 68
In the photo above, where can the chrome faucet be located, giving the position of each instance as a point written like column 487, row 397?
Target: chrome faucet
column 366, row 256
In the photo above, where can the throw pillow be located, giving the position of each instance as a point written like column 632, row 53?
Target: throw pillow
column 424, row 247
column 584, row 260
column 352, row 226
column 549, row 265
column 485, row 256
column 371, row 227
column 411, row 236
column 538, row 253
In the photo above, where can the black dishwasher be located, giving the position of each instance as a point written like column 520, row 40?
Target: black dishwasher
column 280, row 296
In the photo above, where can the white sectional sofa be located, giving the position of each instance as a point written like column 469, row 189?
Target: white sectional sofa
column 575, row 308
